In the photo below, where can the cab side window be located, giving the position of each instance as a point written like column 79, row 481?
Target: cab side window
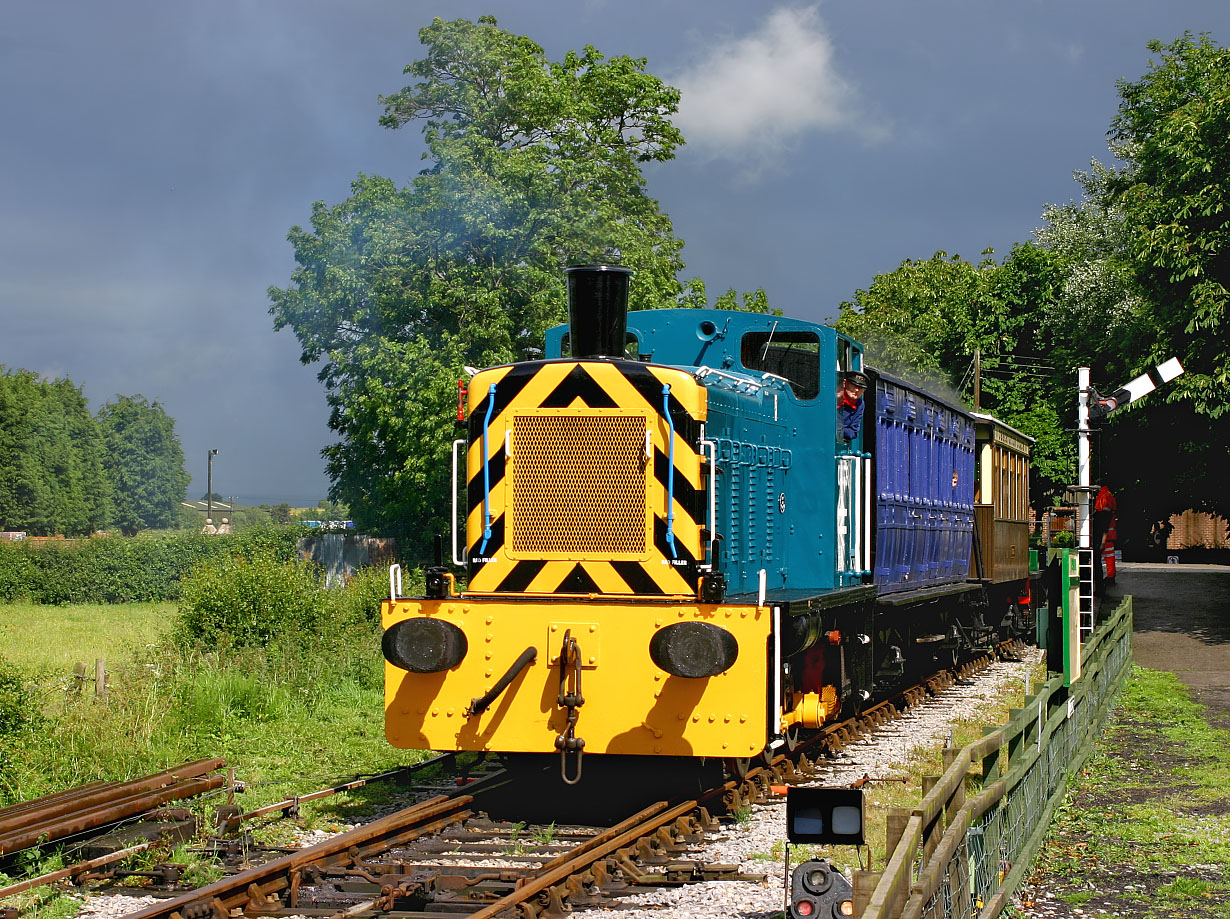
column 794, row 356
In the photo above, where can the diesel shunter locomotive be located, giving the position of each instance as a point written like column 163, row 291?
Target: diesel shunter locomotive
column 697, row 533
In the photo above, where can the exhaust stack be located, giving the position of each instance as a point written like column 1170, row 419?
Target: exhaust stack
column 598, row 309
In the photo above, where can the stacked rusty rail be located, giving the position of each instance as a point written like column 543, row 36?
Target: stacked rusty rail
column 98, row 804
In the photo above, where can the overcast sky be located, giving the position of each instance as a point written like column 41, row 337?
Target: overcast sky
column 154, row 154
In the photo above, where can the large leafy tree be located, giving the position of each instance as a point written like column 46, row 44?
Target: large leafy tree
column 1030, row 320
column 1174, row 190
column 1166, row 244
column 145, row 463
column 51, row 475
column 532, row 165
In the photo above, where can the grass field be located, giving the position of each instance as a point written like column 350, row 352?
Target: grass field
column 41, row 637
column 167, row 704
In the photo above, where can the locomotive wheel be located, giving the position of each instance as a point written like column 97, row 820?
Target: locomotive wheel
column 741, row 766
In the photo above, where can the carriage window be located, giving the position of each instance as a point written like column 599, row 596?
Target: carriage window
column 792, row 355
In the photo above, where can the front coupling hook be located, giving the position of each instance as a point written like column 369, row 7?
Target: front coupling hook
column 570, row 698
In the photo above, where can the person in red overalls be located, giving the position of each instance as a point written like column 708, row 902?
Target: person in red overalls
column 1108, row 550
column 1104, row 510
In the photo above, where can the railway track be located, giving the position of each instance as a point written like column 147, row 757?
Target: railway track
column 444, row 857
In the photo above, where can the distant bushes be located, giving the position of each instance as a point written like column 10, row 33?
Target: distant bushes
column 238, row 602
column 121, row 569
column 241, row 602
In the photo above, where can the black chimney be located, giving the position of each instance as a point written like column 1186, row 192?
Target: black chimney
column 598, row 309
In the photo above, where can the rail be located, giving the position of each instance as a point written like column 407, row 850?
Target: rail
column 957, row 856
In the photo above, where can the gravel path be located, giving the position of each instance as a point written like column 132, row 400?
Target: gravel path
column 750, row 844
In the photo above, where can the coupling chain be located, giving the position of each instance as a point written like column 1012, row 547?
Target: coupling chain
column 570, row 699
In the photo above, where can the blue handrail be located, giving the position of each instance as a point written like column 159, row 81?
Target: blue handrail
column 670, row 471
column 482, row 550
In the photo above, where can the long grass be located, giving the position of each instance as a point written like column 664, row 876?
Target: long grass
column 55, row 638
column 290, row 716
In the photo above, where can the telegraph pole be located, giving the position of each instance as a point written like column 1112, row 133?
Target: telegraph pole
column 977, row 379
column 209, row 489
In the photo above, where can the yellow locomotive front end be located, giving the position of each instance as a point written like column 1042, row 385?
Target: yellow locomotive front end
column 586, row 625
column 582, row 626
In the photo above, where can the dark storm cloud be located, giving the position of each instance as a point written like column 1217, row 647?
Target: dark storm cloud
column 155, row 154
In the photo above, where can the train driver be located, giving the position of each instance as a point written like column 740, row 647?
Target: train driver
column 850, row 403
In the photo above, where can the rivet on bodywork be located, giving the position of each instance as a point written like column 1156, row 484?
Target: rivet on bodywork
column 490, row 619
column 593, row 660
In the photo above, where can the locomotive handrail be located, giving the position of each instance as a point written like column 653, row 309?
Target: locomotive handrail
column 458, row 559
column 487, row 472
column 394, row 581
column 711, row 446
column 702, row 372
column 670, row 470
column 867, row 514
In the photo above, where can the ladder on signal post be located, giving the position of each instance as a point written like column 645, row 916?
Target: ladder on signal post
column 1084, row 563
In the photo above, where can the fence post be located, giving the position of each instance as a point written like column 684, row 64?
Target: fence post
column 864, row 885
column 990, row 762
column 78, row 678
column 894, row 825
column 100, row 678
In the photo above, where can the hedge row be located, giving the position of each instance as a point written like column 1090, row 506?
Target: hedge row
column 116, row 569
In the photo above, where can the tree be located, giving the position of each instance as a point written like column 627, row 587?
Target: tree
column 144, row 461
column 533, row 165
column 916, row 321
column 1174, row 189
column 51, row 476
column 927, row 320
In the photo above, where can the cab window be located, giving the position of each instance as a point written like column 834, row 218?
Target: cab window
column 792, row 355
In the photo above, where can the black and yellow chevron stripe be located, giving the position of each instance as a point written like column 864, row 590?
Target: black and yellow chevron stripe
column 577, row 478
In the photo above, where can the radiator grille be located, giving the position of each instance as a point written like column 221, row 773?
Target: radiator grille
column 579, row 485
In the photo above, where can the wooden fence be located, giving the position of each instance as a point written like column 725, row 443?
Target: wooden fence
column 964, row 850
